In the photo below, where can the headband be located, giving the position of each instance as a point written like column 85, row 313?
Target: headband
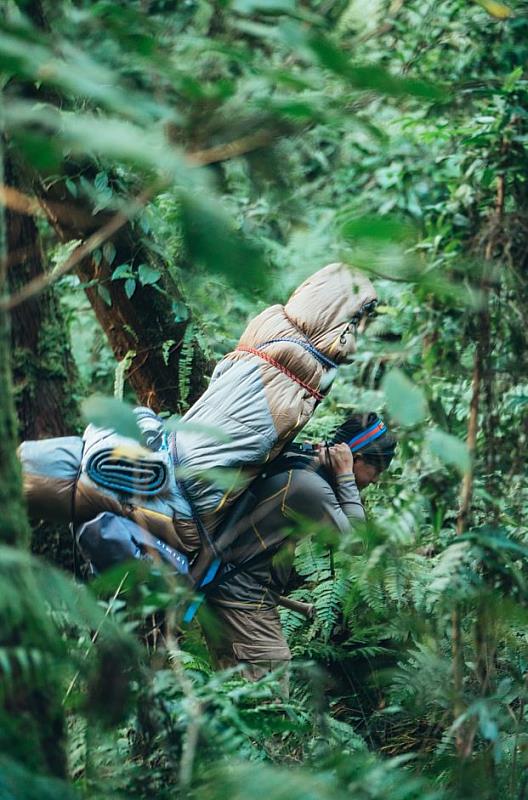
column 367, row 436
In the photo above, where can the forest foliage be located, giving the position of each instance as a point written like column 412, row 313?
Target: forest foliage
column 170, row 169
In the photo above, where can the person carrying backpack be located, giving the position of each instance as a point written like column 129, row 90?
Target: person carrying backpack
column 318, row 485
column 180, row 487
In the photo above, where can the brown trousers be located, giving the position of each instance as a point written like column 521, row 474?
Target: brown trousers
column 250, row 636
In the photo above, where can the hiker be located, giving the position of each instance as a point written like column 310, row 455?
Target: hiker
column 259, row 398
column 322, row 486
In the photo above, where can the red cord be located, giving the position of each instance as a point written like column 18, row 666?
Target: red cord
column 285, row 370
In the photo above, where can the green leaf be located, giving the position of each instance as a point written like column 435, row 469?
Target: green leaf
column 109, row 412
column 103, row 292
column 42, row 152
column 148, row 275
column 101, row 181
column 128, row 574
column 122, row 271
column 487, row 177
column 78, row 74
column 109, row 252
column 449, row 449
column 166, row 347
column 129, row 26
column 175, row 423
column 180, row 311
column 264, row 6
column 105, row 136
column 406, row 402
column 370, row 76
column 225, row 478
column 211, row 239
column 71, row 187
column 519, row 400
column 297, row 109
column 386, row 229
column 513, row 78
column 130, row 287
column 120, row 372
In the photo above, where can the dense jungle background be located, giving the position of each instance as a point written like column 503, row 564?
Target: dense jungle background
column 169, row 169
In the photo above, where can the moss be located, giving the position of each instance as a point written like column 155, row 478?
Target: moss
column 14, row 526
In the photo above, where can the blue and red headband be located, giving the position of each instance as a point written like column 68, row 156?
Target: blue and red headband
column 365, row 437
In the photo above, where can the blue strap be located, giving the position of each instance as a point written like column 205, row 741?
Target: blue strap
column 308, row 346
column 211, row 572
column 192, row 609
column 208, row 577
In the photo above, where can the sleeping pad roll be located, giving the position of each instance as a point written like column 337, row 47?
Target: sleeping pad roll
column 64, row 482
column 260, row 396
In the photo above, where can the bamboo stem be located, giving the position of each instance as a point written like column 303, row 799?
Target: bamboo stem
column 481, row 373
column 466, row 493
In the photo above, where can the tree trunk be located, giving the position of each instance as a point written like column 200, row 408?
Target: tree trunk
column 167, row 368
column 152, row 327
column 31, row 719
column 14, row 528
column 44, row 374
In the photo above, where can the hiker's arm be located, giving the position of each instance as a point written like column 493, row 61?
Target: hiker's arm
column 343, row 498
column 343, row 506
column 349, row 499
column 311, row 497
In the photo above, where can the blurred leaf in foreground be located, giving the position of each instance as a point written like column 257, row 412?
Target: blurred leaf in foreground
column 405, row 401
column 212, row 240
column 175, row 423
column 385, row 229
column 108, row 412
column 497, row 10
column 371, row 76
column 264, row 6
column 449, row 449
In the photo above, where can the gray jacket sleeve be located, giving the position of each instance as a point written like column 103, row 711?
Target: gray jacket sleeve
column 349, row 498
column 311, row 496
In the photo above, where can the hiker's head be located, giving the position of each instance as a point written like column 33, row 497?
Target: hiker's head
column 371, row 444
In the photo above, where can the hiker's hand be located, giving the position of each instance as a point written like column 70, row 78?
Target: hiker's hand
column 337, row 458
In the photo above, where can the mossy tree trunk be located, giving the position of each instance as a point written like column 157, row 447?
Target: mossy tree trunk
column 31, row 719
column 44, row 375
column 14, row 527
column 152, row 327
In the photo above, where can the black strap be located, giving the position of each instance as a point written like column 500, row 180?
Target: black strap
column 73, row 516
column 230, row 530
column 226, row 575
column 295, row 457
column 203, row 533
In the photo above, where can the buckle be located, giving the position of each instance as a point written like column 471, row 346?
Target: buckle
column 367, row 310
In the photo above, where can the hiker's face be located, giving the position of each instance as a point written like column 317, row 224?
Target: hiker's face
column 364, row 473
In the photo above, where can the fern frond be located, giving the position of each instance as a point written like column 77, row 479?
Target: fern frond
column 120, row 372
column 185, row 362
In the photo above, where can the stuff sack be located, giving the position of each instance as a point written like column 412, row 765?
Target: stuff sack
column 264, row 392
column 109, row 540
column 50, row 469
